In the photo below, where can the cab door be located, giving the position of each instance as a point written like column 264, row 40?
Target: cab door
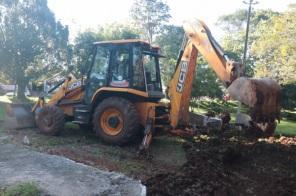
column 98, row 74
column 120, row 74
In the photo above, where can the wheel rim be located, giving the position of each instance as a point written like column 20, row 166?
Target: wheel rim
column 111, row 121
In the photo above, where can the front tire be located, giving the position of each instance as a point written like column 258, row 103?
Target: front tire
column 50, row 120
column 115, row 120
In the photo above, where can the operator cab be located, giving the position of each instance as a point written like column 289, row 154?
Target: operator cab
column 132, row 64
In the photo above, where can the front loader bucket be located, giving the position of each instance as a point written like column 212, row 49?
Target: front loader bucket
column 261, row 95
column 18, row 116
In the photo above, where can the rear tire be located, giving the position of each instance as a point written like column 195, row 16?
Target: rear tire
column 50, row 120
column 115, row 120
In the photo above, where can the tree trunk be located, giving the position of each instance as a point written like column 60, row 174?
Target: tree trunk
column 21, row 86
column 21, row 82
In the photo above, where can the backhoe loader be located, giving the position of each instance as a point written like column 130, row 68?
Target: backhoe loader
column 121, row 93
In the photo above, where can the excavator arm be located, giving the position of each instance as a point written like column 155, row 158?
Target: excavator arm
column 255, row 93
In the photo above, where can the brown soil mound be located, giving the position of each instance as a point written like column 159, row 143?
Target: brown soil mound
column 231, row 166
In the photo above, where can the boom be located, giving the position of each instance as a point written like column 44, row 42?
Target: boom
column 197, row 39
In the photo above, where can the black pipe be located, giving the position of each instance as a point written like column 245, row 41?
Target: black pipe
column 56, row 86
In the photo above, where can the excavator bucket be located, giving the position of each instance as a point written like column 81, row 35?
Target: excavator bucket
column 18, row 116
column 261, row 95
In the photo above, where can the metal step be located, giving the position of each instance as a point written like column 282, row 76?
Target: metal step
column 81, row 110
column 78, row 122
column 81, row 114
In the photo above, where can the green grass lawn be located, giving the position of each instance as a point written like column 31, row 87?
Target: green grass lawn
column 22, row 189
column 285, row 127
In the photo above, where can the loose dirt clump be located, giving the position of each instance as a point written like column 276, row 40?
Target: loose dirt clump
column 231, row 166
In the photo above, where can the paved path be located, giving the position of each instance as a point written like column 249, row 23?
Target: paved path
column 61, row 176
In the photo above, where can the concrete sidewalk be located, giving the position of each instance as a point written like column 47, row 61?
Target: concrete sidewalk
column 61, row 176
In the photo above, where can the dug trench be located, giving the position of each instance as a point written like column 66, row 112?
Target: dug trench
column 228, row 164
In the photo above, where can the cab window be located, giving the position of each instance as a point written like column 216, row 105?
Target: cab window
column 97, row 77
column 120, row 68
column 100, row 66
column 138, row 71
column 151, row 72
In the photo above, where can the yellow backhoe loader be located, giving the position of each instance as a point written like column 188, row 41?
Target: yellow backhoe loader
column 122, row 91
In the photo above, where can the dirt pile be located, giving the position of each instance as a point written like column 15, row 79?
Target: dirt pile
column 232, row 166
column 281, row 140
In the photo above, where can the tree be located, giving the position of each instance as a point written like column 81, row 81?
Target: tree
column 82, row 49
column 150, row 16
column 83, row 42
column 170, row 41
column 233, row 26
column 275, row 48
column 206, row 82
column 116, row 31
column 32, row 41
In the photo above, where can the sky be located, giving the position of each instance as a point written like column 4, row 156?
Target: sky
column 83, row 14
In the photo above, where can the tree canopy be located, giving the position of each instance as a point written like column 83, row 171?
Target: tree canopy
column 170, row 41
column 31, row 41
column 275, row 48
column 272, row 42
column 234, row 27
column 150, row 16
